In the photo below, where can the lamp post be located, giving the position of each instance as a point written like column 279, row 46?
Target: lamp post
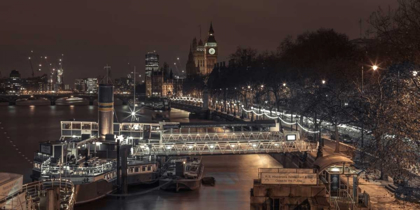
column 374, row 68
column 320, row 152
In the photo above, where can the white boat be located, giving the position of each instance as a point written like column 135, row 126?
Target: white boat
column 71, row 101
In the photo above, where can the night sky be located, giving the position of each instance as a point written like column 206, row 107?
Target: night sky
column 93, row 33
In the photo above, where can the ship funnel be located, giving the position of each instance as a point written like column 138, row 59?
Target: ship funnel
column 106, row 110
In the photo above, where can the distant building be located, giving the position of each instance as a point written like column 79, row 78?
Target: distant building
column 202, row 56
column 80, row 85
column 124, row 84
column 156, row 83
column 91, row 85
column 33, row 84
column 151, row 69
column 14, row 75
column 177, row 84
column 14, row 83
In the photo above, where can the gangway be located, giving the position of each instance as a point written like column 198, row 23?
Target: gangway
column 214, row 136
column 174, row 138
column 242, row 142
column 224, row 148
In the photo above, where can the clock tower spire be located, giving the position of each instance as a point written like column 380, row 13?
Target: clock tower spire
column 211, row 51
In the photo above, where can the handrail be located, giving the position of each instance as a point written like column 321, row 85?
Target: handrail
column 223, row 147
column 86, row 171
column 35, row 189
column 349, row 196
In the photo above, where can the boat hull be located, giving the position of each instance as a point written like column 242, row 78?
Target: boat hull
column 193, row 184
column 146, row 178
column 92, row 191
column 183, row 183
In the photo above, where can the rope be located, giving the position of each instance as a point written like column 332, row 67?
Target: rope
column 15, row 146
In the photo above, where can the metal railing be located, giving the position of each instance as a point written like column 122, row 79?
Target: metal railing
column 225, row 147
column 230, row 136
column 35, row 190
column 47, row 170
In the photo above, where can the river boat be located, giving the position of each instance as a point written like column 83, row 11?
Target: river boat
column 90, row 163
column 93, row 177
column 183, row 172
column 35, row 195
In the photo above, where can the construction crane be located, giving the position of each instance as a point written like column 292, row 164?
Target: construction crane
column 30, row 63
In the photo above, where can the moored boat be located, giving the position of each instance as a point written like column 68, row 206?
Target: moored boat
column 35, row 195
column 183, row 172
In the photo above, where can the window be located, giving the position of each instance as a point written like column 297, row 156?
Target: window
column 144, row 168
column 136, row 169
column 85, row 126
column 76, row 126
column 149, row 168
column 291, row 137
column 66, row 125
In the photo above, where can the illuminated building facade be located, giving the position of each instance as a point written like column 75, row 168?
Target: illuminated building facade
column 151, row 69
column 202, row 56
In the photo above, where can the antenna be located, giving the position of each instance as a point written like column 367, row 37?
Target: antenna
column 107, row 78
column 30, row 62
column 200, row 30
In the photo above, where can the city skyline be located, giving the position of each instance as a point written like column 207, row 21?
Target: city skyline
column 100, row 34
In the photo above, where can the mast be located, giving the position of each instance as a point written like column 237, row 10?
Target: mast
column 107, row 78
column 134, row 95
column 32, row 68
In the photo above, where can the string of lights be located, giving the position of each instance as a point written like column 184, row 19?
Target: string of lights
column 14, row 145
column 271, row 117
column 187, row 99
column 257, row 114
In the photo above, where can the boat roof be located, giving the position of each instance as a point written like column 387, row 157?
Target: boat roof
column 6, row 177
column 326, row 161
column 259, row 123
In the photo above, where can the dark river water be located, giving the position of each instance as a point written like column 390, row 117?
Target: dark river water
column 27, row 126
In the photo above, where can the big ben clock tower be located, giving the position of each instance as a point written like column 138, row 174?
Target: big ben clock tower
column 211, row 51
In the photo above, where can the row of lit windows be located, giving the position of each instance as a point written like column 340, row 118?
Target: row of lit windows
column 139, row 169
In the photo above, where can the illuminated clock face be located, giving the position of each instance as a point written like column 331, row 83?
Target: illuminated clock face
column 212, row 51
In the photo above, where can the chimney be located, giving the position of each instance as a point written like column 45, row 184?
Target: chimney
column 106, row 110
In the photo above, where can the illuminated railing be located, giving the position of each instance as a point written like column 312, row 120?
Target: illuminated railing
column 230, row 136
column 73, row 129
column 32, row 192
column 67, row 171
column 214, row 148
column 77, row 128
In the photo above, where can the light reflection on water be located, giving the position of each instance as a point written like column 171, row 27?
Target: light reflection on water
column 28, row 126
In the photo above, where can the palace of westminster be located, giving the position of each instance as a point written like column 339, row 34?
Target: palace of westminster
column 202, row 58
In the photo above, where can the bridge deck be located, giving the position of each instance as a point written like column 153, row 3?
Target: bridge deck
column 229, row 136
column 224, row 147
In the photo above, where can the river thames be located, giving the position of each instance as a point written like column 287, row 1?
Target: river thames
column 28, row 125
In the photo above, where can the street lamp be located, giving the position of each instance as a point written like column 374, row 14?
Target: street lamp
column 323, row 81
column 375, row 67
column 284, row 84
column 415, row 73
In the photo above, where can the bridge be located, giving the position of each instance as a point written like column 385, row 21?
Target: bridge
column 53, row 97
column 177, row 139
